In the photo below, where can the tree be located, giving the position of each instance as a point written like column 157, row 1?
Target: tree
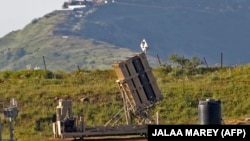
column 196, row 62
column 180, row 60
column 184, row 62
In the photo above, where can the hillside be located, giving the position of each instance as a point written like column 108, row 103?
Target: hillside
column 28, row 46
column 193, row 28
column 101, row 34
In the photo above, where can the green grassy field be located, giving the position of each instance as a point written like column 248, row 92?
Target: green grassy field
column 37, row 92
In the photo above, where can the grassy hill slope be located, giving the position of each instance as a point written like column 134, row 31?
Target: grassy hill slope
column 27, row 47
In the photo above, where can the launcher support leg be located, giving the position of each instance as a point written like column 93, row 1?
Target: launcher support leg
column 125, row 104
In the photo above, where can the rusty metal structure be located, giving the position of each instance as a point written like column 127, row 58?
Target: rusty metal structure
column 139, row 92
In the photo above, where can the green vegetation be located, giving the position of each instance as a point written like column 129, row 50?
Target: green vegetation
column 37, row 92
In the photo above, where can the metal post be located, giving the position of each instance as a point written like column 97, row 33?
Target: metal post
column 125, row 105
column 159, row 59
column 10, row 113
column 11, row 130
column 221, row 58
column 82, row 124
column 0, row 130
column 157, row 118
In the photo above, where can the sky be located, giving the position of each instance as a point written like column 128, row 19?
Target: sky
column 16, row 14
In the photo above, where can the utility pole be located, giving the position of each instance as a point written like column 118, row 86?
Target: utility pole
column 44, row 63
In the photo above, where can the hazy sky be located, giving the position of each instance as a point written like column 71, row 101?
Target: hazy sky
column 15, row 14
